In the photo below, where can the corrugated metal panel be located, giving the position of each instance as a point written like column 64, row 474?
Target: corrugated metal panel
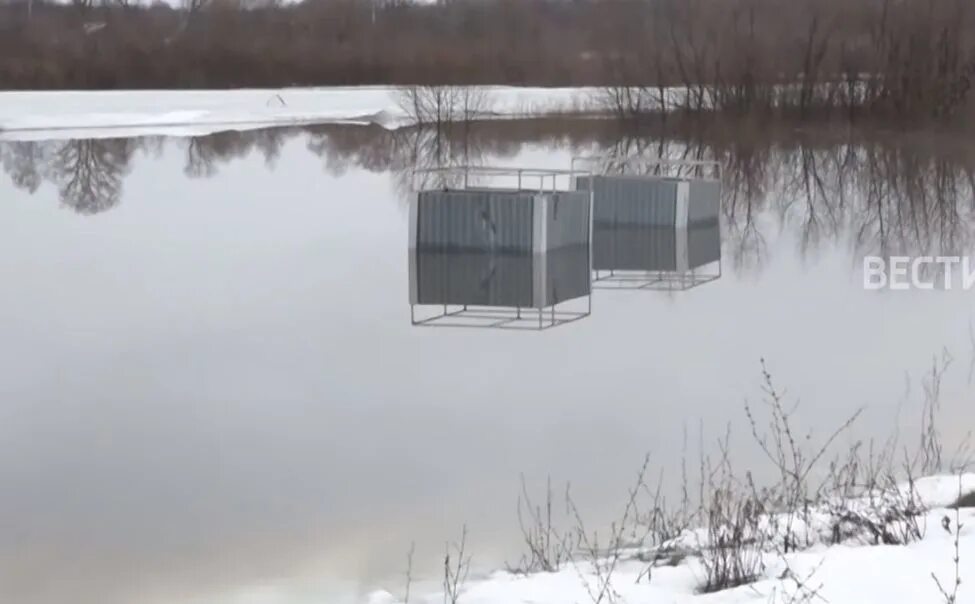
column 474, row 220
column 492, row 279
column 654, row 248
column 567, row 219
column 703, row 243
column 632, row 200
column 705, row 200
column 502, row 221
column 567, row 274
column 474, row 278
column 634, row 248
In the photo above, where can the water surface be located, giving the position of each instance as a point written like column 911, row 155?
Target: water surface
column 212, row 390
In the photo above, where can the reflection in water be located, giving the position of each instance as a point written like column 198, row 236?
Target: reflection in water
column 656, row 257
column 204, row 154
column 233, row 407
column 486, row 288
column 23, row 161
column 872, row 194
column 655, row 232
column 87, row 173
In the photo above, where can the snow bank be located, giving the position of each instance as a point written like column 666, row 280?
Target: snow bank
column 840, row 574
column 103, row 114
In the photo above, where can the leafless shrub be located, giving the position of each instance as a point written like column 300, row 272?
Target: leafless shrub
column 603, row 557
column 950, row 592
column 548, row 547
column 883, row 512
column 870, row 496
column 631, row 102
column 441, row 105
column 659, row 528
column 874, row 497
column 733, row 551
column 456, row 568
column 930, row 453
column 795, row 588
column 732, row 556
column 409, row 574
column 795, row 495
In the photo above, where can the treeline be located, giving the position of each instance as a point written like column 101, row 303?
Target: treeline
column 225, row 43
column 902, row 57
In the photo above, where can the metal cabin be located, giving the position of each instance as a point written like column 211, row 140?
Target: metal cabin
column 500, row 247
column 652, row 192
column 654, row 230
column 656, row 257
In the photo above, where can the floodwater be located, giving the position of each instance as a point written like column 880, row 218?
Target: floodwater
column 211, row 389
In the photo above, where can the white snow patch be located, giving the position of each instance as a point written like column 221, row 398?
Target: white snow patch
column 842, row 574
column 107, row 114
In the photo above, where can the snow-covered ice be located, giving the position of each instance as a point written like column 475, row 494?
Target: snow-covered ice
column 98, row 114
column 848, row 573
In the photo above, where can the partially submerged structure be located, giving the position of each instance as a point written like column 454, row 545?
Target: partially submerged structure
column 501, row 248
column 653, row 229
column 633, row 256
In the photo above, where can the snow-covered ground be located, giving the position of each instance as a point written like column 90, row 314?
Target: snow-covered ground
column 849, row 573
column 92, row 114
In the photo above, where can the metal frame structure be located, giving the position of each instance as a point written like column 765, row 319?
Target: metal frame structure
column 520, row 175
column 504, row 317
column 655, row 280
column 677, row 280
column 495, row 178
column 694, row 165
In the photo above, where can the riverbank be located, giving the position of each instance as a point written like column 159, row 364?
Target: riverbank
column 845, row 524
column 117, row 113
column 855, row 568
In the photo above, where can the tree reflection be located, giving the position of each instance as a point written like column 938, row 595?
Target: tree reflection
column 342, row 147
column 868, row 193
column 904, row 195
column 24, row 162
column 411, row 155
column 204, row 154
column 428, row 153
column 89, row 173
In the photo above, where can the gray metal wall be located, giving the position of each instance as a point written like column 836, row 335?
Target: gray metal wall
column 500, row 220
column 474, row 278
column 649, row 200
column 654, row 248
column 703, row 243
column 705, row 200
column 567, row 275
column 494, row 279
column 634, row 248
column 475, row 220
column 567, row 218
column 632, row 200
